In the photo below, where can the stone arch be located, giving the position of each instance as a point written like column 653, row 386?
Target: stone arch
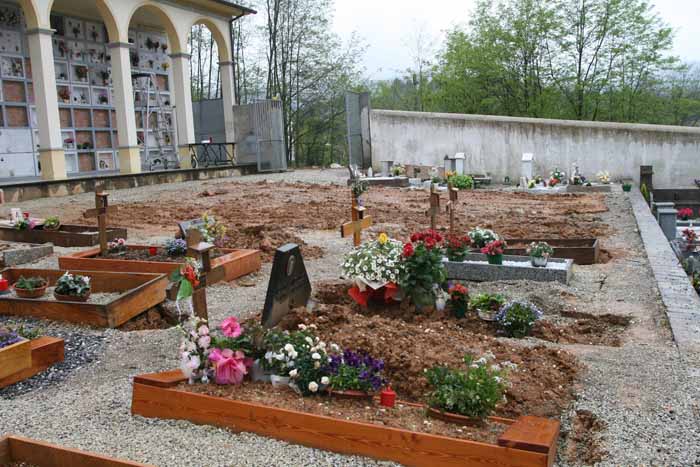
column 166, row 22
column 31, row 13
column 219, row 37
column 107, row 16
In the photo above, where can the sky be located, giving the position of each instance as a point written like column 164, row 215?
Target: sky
column 386, row 25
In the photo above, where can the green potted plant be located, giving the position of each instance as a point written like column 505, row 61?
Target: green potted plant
column 482, row 237
column 494, row 252
column 517, row 318
column 539, row 253
column 52, row 223
column 468, row 396
column 459, row 300
column 626, row 187
column 30, row 287
column 72, row 288
column 487, row 305
column 424, row 269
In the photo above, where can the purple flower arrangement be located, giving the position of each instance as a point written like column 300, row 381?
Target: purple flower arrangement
column 517, row 318
column 356, row 371
column 8, row 338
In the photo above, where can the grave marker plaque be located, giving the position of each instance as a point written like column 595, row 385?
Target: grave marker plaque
column 289, row 285
column 187, row 225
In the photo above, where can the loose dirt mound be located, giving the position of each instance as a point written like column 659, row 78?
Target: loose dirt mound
column 583, row 444
column 266, row 215
column 543, row 385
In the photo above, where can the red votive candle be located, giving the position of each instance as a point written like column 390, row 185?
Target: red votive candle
column 4, row 285
column 152, row 251
column 387, row 398
column 26, row 215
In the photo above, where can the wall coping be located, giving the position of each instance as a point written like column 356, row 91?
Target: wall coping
column 681, row 301
column 692, row 131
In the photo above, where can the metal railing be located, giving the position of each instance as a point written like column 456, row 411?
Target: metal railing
column 212, row 154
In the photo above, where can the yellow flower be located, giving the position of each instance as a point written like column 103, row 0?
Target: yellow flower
column 383, row 238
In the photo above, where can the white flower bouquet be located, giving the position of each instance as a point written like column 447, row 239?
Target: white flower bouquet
column 375, row 263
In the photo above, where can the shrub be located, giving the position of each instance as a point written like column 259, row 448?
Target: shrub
column 176, row 247
column 517, row 318
column 459, row 300
column 73, row 285
column 356, row 371
column 30, row 283
column 423, row 267
column 472, row 393
column 462, row 182
column 481, row 237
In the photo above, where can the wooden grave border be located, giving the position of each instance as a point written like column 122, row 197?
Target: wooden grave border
column 28, row 358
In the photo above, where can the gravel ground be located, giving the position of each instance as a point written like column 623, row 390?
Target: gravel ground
column 646, row 395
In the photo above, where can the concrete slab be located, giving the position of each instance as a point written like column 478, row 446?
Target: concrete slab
column 476, row 268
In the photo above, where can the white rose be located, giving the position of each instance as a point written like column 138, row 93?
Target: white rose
column 316, row 356
column 313, row 387
column 289, row 348
column 325, row 380
column 309, row 340
column 293, row 373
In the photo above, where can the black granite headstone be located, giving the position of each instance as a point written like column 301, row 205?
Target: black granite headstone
column 289, row 285
column 187, row 225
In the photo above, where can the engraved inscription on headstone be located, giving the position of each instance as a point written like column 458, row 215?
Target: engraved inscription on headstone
column 289, row 285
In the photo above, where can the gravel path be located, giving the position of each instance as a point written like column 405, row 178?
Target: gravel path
column 643, row 392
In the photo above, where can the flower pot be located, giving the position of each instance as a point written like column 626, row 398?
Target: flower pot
column 279, row 381
column 495, row 259
column 257, row 373
column 454, row 418
column 71, row 298
column 350, row 394
column 36, row 293
column 487, row 315
column 53, row 228
column 539, row 262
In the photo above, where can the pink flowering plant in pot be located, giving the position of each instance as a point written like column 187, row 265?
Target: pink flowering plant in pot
column 224, row 356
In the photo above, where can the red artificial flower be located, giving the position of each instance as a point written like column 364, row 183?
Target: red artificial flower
column 494, row 248
column 416, row 237
column 429, row 243
column 408, row 250
column 458, row 289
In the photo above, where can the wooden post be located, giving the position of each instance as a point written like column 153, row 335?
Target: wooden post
column 200, row 250
column 359, row 223
column 434, row 206
column 452, row 206
column 101, row 211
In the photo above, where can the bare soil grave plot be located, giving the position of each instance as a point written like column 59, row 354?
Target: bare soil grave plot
column 266, row 215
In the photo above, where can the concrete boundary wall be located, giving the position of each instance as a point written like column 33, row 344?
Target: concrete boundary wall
column 496, row 144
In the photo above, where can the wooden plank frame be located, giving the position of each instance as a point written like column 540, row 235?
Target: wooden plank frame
column 231, row 265
column 68, row 235
column 523, row 443
column 139, row 292
column 584, row 251
column 45, row 351
column 15, row 358
column 18, row 449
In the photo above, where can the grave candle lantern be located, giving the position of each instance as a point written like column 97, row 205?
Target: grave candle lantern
column 387, row 398
column 26, row 215
column 4, row 285
column 152, row 251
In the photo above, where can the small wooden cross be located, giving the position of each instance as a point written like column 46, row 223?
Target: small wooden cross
column 359, row 223
column 102, row 209
column 200, row 250
column 434, row 206
column 452, row 205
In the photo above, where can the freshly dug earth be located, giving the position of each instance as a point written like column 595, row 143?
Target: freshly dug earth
column 266, row 215
column 401, row 416
column 583, row 444
column 570, row 328
column 543, row 384
column 158, row 317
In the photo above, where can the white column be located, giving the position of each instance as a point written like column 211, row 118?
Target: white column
column 229, row 97
column 129, row 154
column 183, row 107
column 51, row 155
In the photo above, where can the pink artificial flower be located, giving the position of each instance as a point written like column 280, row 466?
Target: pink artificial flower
column 204, row 342
column 231, row 327
column 230, row 366
column 203, row 330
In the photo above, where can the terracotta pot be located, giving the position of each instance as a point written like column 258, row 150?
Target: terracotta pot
column 36, row 293
column 454, row 418
column 495, row 259
column 71, row 298
column 350, row 394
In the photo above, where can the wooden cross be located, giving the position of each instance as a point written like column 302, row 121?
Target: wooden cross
column 452, row 205
column 434, row 206
column 102, row 209
column 200, row 250
column 359, row 223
